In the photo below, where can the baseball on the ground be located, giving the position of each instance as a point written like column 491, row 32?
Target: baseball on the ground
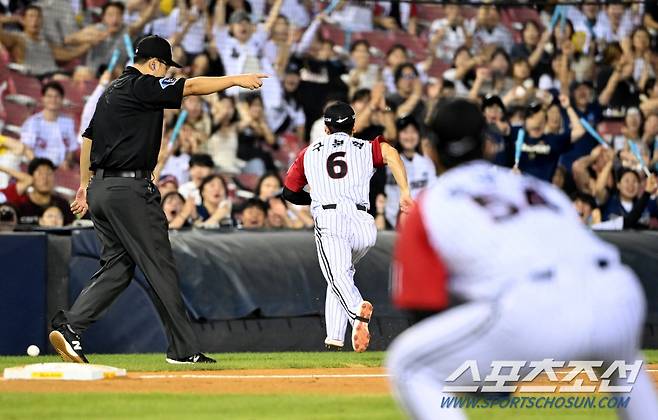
column 33, row 350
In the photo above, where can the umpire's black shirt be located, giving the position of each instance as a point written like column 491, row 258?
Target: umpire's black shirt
column 126, row 129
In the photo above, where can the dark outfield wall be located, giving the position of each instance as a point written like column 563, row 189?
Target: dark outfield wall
column 256, row 291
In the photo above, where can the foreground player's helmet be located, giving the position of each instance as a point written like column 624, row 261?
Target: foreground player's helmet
column 339, row 117
column 458, row 128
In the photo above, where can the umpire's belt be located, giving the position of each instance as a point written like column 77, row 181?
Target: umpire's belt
column 333, row 207
column 112, row 173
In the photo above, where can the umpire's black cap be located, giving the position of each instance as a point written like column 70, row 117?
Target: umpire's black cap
column 153, row 46
column 340, row 117
column 458, row 128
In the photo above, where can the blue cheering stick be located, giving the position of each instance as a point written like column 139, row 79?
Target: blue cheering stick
column 332, row 6
column 593, row 133
column 127, row 42
column 177, row 127
column 556, row 16
column 518, row 145
column 636, row 152
column 113, row 60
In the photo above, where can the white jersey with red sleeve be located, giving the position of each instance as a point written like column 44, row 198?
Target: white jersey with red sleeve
column 337, row 168
column 480, row 229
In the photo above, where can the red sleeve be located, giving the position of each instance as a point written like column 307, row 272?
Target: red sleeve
column 11, row 193
column 296, row 178
column 420, row 278
column 377, row 158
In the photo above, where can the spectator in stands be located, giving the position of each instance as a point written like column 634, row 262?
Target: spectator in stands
column 592, row 173
column 253, row 134
column 51, row 217
column 110, row 32
column 626, row 204
column 498, row 149
column 254, row 214
column 395, row 57
column 421, row 173
column 495, row 78
column 49, row 133
column 490, row 31
column 462, row 73
column 373, row 115
column 584, row 19
column 215, row 208
column 288, row 116
column 222, row 145
column 11, row 153
column 179, row 212
column 639, row 47
column 649, row 99
column 198, row 117
column 8, row 218
column 521, row 86
column 268, row 189
column 33, row 50
column 533, row 48
column 363, row 74
column 14, row 192
column 282, row 45
column 268, row 186
column 241, row 46
column 591, row 110
column 408, row 100
column 586, row 208
column 59, row 20
column 278, row 216
column 630, row 141
column 614, row 24
column 177, row 159
column 42, row 195
column 540, row 151
column 201, row 166
column 354, row 17
column 451, row 32
column 167, row 184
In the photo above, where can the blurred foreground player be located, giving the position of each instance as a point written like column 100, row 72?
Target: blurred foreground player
column 121, row 147
column 533, row 282
column 337, row 168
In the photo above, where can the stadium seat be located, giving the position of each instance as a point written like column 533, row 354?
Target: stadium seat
column 24, row 84
column 610, row 127
column 246, row 181
column 17, row 113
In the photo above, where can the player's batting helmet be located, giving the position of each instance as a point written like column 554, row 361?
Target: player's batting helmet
column 457, row 127
column 339, row 117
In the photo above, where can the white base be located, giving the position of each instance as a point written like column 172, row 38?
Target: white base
column 64, row 371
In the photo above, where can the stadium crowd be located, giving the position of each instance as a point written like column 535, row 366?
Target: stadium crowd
column 569, row 93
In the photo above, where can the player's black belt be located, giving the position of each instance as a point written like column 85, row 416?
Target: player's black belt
column 333, row 207
column 111, row 173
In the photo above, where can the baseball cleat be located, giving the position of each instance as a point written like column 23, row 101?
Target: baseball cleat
column 190, row 360
column 68, row 344
column 360, row 332
column 333, row 345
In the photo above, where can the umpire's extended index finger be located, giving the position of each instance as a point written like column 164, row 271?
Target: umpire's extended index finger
column 262, row 75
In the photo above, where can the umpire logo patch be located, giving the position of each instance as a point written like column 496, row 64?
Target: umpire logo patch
column 167, row 81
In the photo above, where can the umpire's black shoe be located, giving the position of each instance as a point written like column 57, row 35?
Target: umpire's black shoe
column 68, row 344
column 193, row 359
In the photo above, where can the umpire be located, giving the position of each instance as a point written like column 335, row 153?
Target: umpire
column 120, row 149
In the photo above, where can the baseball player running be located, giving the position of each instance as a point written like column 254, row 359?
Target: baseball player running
column 533, row 282
column 338, row 168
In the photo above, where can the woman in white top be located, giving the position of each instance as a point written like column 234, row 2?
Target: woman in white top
column 222, row 145
column 421, row 172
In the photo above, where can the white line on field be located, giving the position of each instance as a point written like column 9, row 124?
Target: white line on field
column 263, row 376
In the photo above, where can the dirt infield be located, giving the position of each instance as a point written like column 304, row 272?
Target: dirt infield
column 342, row 381
column 338, row 381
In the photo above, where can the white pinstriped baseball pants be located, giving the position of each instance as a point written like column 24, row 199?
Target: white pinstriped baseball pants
column 582, row 314
column 342, row 236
